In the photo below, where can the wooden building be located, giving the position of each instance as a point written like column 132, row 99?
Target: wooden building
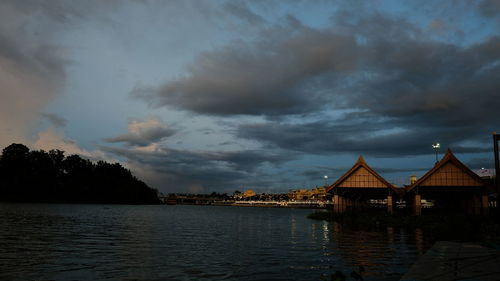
column 360, row 184
column 452, row 186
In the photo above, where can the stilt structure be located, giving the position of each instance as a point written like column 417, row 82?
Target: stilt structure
column 452, row 186
column 359, row 184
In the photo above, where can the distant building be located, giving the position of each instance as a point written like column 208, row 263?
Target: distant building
column 249, row 193
column 485, row 173
column 237, row 195
column 318, row 193
column 298, row 194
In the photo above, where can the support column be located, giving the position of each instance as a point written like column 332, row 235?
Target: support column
column 477, row 205
column 336, row 205
column 389, row 204
column 485, row 205
column 417, row 205
column 496, row 139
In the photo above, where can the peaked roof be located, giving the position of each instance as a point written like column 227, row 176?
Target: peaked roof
column 361, row 163
column 448, row 158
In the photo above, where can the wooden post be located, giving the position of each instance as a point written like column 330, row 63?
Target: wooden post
column 417, row 205
column 477, row 205
column 336, row 203
column 485, row 204
column 469, row 206
column 496, row 138
column 389, row 204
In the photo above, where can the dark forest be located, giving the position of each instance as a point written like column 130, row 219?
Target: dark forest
column 52, row 177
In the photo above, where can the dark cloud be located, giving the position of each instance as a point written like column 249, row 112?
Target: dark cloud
column 281, row 74
column 144, row 138
column 240, row 10
column 382, row 138
column 143, row 133
column 478, row 163
column 490, row 8
column 55, row 119
column 386, row 70
column 406, row 90
column 177, row 170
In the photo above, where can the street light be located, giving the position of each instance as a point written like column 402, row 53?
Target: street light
column 326, row 180
column 436, row 147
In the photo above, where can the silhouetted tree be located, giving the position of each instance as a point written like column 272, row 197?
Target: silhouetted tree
column 38, row 176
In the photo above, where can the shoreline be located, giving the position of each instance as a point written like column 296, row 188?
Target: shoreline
column 261, row 204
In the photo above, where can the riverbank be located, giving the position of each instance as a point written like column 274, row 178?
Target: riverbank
column 437, row 226
column 278, row 204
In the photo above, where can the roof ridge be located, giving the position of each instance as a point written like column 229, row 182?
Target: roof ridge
column 360, row 163
column 448, row 157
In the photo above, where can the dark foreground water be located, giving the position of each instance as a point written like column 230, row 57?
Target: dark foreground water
column 116, row 242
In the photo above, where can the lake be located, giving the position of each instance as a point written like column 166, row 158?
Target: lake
column 121, row 242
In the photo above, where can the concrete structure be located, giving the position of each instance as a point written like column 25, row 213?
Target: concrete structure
column 360, row 184
column 456, row 261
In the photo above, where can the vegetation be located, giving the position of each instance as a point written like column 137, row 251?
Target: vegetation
column 435, row 226
column 40, row 176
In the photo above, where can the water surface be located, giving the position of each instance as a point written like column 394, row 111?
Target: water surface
column 119, row 242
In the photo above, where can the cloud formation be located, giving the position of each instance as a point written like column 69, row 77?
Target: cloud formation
column 143, row 133
column 55, row 119
column 33, row 60
column 54, row 139
column 389, row 73
column 280, row 74
column 174, row 170
column 490, row 8
column 273, row 82
column 31, row 69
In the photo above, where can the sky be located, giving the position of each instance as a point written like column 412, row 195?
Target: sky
column 217, row 96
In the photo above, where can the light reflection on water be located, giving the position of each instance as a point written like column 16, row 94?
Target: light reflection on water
column 91, row 242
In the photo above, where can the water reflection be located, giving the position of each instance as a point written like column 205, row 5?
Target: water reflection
column 96, row 242
column 326, row 231
column 419, row 241
column 384, row 255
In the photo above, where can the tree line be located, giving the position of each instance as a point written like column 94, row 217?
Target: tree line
column 41, row 176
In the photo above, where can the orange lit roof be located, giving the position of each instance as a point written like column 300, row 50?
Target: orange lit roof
column 361, row 176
